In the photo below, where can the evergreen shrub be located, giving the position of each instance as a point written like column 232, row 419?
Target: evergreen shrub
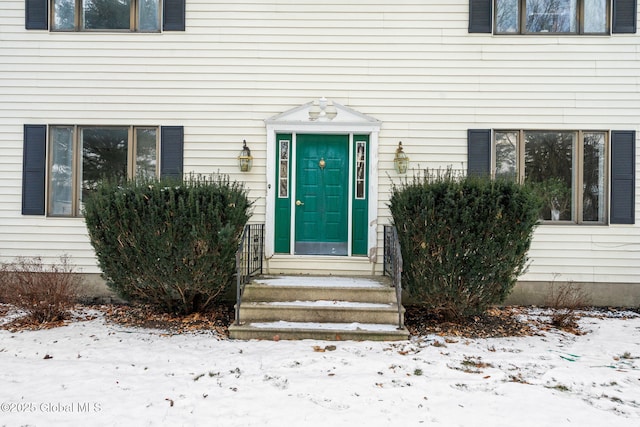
column 168, row 244
column 464, row 240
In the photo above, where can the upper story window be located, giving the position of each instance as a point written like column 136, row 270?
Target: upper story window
column 552, row 16
column 106, row 15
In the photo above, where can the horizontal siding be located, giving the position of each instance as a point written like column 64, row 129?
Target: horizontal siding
column 411, row 64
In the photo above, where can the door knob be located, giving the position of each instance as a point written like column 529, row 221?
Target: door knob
column 299, row 203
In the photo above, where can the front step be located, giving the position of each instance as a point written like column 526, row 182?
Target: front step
column 324, row 308
column 319, row 311
column 340, row 266
column 328, row 332
column 373, row 289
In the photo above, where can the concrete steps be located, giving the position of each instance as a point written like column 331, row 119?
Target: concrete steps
column 319, row 307
column 321, row 266
column 338, row 332
column 319, row 312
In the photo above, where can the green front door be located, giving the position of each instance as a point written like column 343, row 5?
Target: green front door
column 321, row 195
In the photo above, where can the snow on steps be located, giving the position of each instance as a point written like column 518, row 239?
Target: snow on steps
column 325, row 331
column 319, row 307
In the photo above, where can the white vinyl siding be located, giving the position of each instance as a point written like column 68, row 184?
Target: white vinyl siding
column 410, row 64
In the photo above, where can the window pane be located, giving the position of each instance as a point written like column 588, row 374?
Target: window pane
column 149, row 18
column 551, row 16
column 593, row 200
column 595, row 16
column 283, row 185
column 361, row 164
column 64, row 14
column 106, row 14
column 104, row 155
column 549, row 166
column 506, row 154
column 507, row 16
column 61, row 197
column 146, row 153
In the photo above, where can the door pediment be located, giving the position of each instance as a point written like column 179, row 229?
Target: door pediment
column 322, row 115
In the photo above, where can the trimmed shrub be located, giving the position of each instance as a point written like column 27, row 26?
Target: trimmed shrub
column 464, row 240
column 168, row 244
column 45, row 293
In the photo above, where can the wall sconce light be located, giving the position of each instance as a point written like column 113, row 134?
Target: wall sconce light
column 401, row 161
column 245, row 160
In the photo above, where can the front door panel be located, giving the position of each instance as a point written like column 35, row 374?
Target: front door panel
column 321, row 196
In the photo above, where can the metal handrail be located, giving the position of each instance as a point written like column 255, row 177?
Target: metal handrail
column 249, row 258
column 393, row 265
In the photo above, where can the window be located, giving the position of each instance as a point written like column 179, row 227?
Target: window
column 106, row 15
column 552, row 16
column 361, row 165
column 283, row 157
column 81, row 156
column 569, row 168
column 602, row 167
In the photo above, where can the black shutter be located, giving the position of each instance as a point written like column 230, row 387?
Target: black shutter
column 173, row 15
column 33, row 169
column 480, row 12
column 623, row 177
column 625, row 16
column 35, row 14
column 478, row 152
column 171, row 152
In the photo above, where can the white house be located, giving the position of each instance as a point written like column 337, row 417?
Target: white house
column 322, row 93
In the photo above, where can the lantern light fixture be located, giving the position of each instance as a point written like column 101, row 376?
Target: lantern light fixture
column 245, row 160
column 401, row 161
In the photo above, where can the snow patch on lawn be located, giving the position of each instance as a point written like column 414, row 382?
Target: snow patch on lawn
column 100, row 374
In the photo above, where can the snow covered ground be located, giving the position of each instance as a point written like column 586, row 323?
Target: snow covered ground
column 92, row 373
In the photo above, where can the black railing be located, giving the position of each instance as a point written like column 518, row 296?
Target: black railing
column 393, row 265
column 249, row 258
